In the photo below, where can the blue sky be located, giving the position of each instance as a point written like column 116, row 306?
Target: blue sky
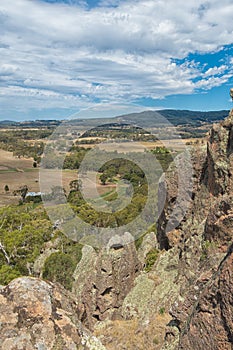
column 60, row 57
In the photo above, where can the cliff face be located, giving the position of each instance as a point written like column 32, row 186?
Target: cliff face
column 212, row 193
column 183, row 300
column 210, row 324
column 203, row 318
column 219, row 181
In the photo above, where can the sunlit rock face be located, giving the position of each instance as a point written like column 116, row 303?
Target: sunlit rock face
column 103, row 280
column 203, row 319
column 38, row 315
column 211, row 323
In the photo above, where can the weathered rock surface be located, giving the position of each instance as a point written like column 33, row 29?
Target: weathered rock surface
column 218, row 173
column 39, row 315
column 103, row 280
column 180, row 188
column 154, row 291
column 219, row 223
column 149, row 242
column 203, row 319
column 210, row 325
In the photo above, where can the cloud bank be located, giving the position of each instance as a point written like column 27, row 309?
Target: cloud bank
column 57, row 55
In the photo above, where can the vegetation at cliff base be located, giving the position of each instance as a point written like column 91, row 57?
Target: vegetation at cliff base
column 26, row 233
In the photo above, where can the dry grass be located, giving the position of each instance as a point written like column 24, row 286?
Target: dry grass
column 132, row 334
column 10, row 162
column 173, row 144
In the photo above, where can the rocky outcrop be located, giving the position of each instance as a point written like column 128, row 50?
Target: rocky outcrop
column 210, row 325
column 218, row 171
column 219, row 180
column 179, row 189
column 212, row 179
column 203, row 319
column 103, row 280
column 219, row 223
column 39, row 315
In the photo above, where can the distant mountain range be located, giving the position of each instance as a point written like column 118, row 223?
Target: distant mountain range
column 176, row 117
column 30, row 124
column 146, row 118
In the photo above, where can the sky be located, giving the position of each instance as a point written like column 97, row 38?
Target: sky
column 58, row 57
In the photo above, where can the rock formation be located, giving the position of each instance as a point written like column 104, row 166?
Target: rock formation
column 39, row 315
column 103, row 280
column 210, row 324
column 202, row 319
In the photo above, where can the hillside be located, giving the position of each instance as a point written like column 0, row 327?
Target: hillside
column 175, row 117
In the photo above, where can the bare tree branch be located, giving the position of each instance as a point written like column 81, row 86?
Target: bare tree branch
column 5, row 253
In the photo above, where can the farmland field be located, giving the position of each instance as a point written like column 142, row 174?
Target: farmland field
column 16, row 172
column 173, row 144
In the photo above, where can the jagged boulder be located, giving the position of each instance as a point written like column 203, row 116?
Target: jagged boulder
column 35, row 314
column 103, row 280
column 179, row 186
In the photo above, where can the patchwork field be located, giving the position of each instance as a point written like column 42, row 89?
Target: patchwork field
column 16, row 172
column 173, row 144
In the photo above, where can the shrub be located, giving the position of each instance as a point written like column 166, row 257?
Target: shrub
column 151, row 258
column 7, row 274
column 207, row 246
column 59, row 267
column 162, row 310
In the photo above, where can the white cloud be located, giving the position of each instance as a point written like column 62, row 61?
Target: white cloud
column 70, row 55
column 8, row 69
column 215, row 70
column 213, row 81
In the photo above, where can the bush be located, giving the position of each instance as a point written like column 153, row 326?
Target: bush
column 207, row 246
column 162, row 311
column 59, row 267
column 7, row 274
column 151, row 258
